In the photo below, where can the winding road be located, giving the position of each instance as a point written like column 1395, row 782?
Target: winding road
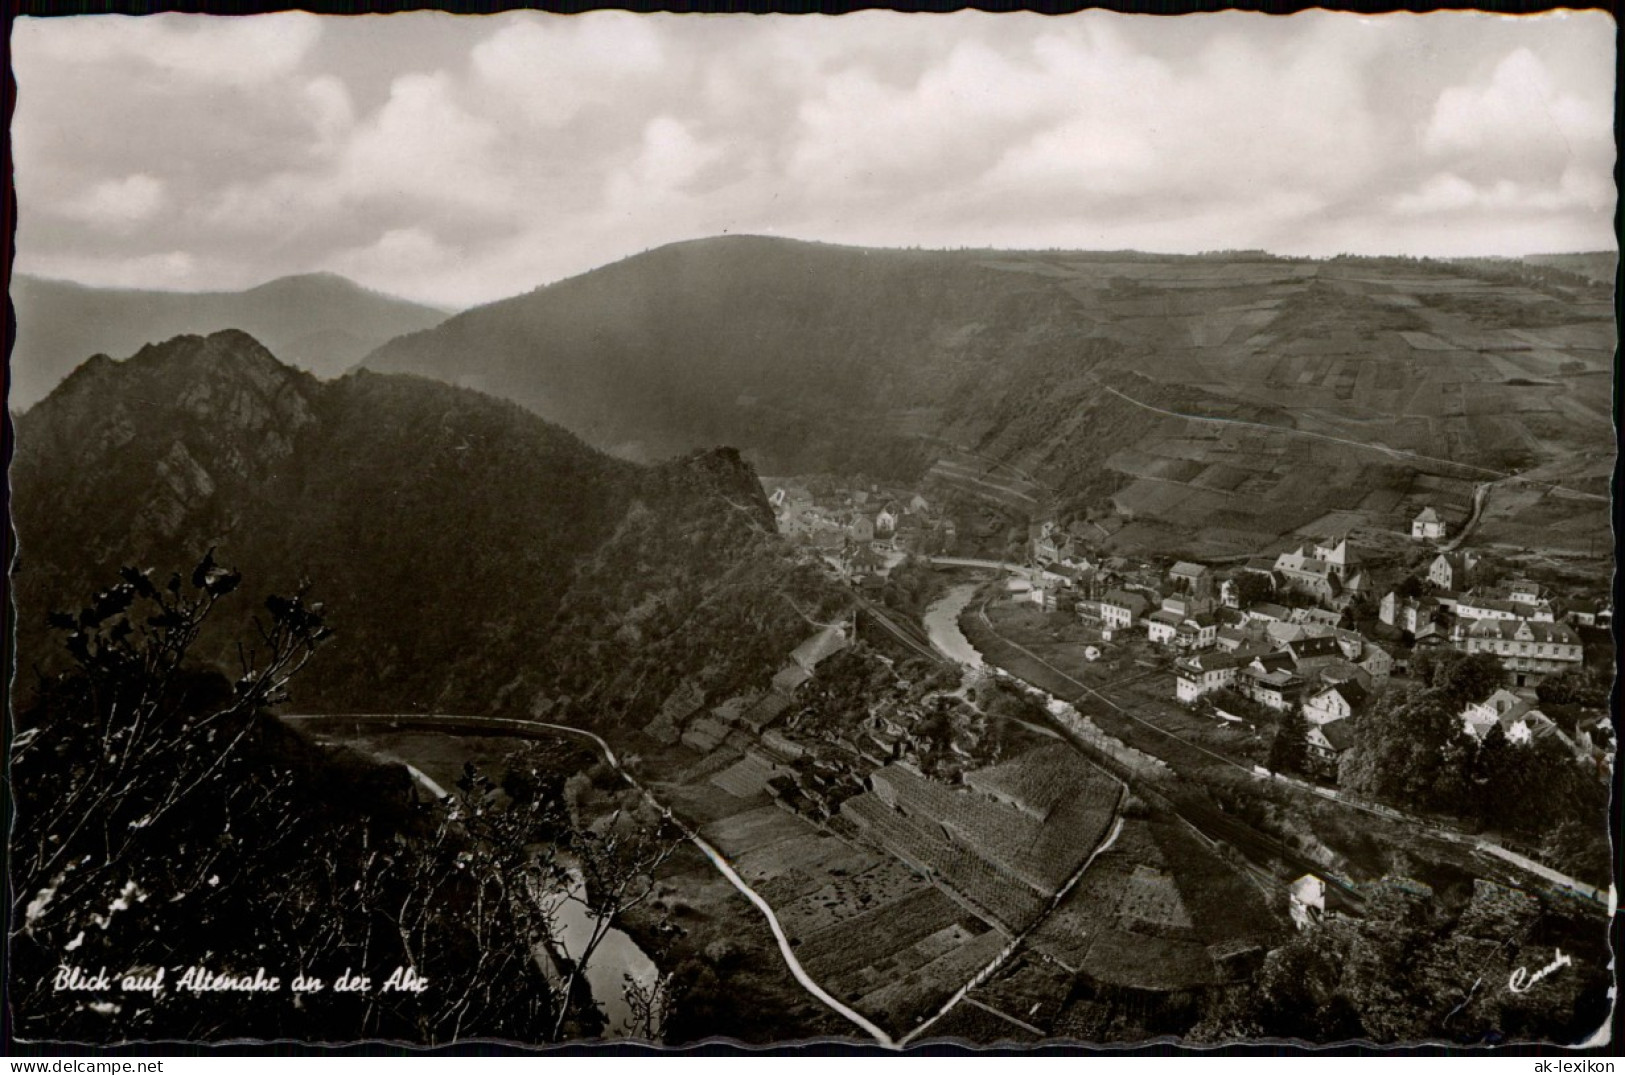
column 538, row 728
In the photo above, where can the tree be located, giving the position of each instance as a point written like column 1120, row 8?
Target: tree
column 1253, row 588
column 1409, row 751
column 608, row 871
column 1460, row 678
column 1576, row 686
column 1289, row 753
column 1409, row 969
column 166, row 820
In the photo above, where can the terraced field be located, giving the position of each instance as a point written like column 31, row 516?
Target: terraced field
column 892, row 912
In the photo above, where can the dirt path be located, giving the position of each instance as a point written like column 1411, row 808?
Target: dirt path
column 1397, row 453
column 450, row 722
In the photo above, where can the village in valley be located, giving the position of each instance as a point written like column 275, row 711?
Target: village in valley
column 928, row 782
column 1322, row 627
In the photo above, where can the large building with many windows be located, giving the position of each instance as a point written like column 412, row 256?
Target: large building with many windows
column 1530, row 650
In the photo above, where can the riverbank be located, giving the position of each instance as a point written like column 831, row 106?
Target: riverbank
column 730, row 978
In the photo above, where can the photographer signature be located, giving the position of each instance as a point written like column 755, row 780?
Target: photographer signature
column 1522, row 981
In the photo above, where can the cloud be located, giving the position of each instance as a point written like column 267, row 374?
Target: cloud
column 550, row 67
column 241, row 51
column 459, row 159
column 670, row 158
column 1518, row 105
column 398, row 262
column 119, row 203
column 176, row 269
column 1450, row 193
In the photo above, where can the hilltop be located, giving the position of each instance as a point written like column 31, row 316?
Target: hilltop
column 472, row 557
column 1174, row 391
column 320, row 322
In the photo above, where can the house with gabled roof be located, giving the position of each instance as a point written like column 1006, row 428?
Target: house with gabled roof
column 1268, row 612
column 1427, row 526
column 1315, row 617
column 1121, row 608
column 1329, row 742
column 1529, row 650
column 1307, row 575
column 1197, row 632
column 1162, row 625
column 1520, row 720
column 1194, row 579
column 1312, row 652
column 1201, row 673
column 1452, row 570
column 1591, row 613
column 1269, row 680
column 1337, row 702
column 1377, row 661
column 827, row 642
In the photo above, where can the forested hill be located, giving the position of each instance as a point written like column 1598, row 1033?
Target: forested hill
column 457, row 541
column 791, row 349
column 320, row 322
column 816, row 358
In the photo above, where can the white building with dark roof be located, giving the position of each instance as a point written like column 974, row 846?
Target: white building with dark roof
column 1529, row 649
column 1427, row 526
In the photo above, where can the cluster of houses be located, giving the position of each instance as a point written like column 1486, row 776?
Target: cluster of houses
column 743, row 719
column 764, row 740
column 1517, row 621
column 1524, row 721
column 860, row 531
column 1297, row 648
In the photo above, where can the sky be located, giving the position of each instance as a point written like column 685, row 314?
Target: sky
column 456, row 160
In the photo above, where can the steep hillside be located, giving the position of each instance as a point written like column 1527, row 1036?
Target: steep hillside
column 1309, row 393
column 457, row 541
column 319, row 322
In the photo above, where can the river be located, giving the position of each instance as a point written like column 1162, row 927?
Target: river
column 942, row 625
column 616, row 958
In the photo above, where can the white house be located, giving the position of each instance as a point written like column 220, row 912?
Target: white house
column 1196, row 675
column 1162, row 626
column 1475, row 605
column 1308, row 900
column 1307, row 574
column 1120, row 609
column 1528, row 649
column 1519, row 719
column 1427, row 526
column 1335, row 554
column 1339, row 702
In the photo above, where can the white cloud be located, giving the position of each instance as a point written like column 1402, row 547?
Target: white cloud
column 548, row 68
column 1518, row 106
column 174, row 269
column 239, row 51
column 398, row 262
column 1576, row 189
column 424, row 144
column 1517, row 125
column 119, row 203
column 465, row 159
column 330, row 110
column 670, row 158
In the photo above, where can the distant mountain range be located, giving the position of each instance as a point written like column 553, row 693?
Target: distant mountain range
column 1217, row 403
column 471, row 556
column 319, row 322
column 1074, row 369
